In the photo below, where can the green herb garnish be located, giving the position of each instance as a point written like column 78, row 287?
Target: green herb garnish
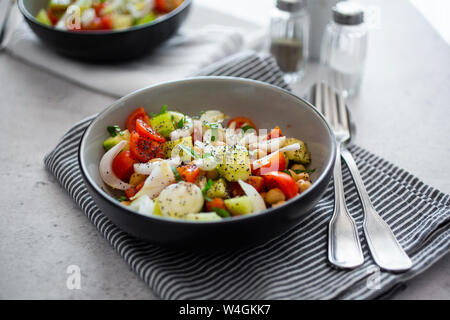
column 176, row 174
column 181, row 123
column 298, row 171
column 206, row 188
column 247, row 127
column 122, row 198
column 163, row 110
column 190, row 151
column 221, row 212
column 114, row 130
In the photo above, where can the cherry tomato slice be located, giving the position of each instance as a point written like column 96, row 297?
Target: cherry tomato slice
column 131, row 192
column 139, row 113
column 241, row 121
column 276, row 163
column 144, row 130
column 145, row 149
column 161, row 5
column 215, row 203
column 283, row 181
column 274, row 133
column 54, row 17
column 123, row 165
column 256, row 182
column 189, row 173
column 98, row 7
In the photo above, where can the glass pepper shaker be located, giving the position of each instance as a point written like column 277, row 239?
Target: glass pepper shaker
column 289, row 35
column 344, row 47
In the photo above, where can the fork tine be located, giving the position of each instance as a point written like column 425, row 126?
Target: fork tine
column 331, row 107
column 343, row 117
column 318, row 97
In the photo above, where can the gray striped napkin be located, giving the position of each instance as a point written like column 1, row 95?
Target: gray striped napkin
column 294, row 265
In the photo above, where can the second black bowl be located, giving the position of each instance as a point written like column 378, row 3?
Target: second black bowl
column 105, row 46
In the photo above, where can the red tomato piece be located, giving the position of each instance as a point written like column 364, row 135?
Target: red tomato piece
column 283, row 181
column 131, row 192
column 161, row 5
column 54, row 17
column 276, row 163
column 107, row 23
column 215, row 203
column 123, row 165
column 145, row 149
column 242, row 121
column 98, row 7
column 256, row 182
column 144, row 130
column 139, row 113
column 274, row 133
column 189, row 173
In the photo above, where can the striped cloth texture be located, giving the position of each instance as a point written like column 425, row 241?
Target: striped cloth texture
column 293, row 265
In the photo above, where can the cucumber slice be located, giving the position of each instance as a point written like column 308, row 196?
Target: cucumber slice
column 112, row 141
column 218, row 189
column 163, row 124
column 239, row 206
column 234, row 163
column 43, row 18
column 170, row 146
column 146, row 19
column 301, row 155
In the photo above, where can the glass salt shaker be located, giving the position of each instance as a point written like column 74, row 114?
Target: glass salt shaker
column 344, row 47
column 289, row 34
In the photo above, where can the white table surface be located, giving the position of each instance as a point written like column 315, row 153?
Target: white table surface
column 402, row 114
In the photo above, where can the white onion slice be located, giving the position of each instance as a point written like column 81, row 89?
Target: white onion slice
column 147, row 168
column 143, row 205
column 257, row 201
column 265, row 160
column 106, row 171
column 269, row 145
column 161, row 177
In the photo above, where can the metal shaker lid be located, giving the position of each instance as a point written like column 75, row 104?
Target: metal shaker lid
column 291, row 5
column 348, row 13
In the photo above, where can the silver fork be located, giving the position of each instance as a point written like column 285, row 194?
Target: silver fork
column 385, row 249
column 344, row 248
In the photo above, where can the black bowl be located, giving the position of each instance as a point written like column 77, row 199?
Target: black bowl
column 105, row 46
column 267, row 106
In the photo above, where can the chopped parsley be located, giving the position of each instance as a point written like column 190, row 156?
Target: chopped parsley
column 221, row 212
column 176, row 174
column 114, row 131
column 180, row 123
column 122, row 198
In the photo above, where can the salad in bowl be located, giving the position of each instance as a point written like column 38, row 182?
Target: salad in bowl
column 95, row 15
column 204, row 167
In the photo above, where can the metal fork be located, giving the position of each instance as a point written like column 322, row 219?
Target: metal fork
column 385, row 249
column 344, row 248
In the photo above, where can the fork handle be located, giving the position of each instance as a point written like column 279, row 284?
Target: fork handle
column 385, row 249
column 344, row 248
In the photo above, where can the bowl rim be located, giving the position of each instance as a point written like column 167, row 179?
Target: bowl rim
column 167, row 16
column 85, row 173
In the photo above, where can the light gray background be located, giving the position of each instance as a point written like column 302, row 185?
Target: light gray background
column 402, row 114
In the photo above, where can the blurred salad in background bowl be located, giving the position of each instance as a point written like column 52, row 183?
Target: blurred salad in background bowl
column 90, row 15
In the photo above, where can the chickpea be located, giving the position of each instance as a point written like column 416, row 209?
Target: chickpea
column 212, row 174
column 303, row 176
column 298, row 166
column 279, row 203
column 274, row 195
column 303, row 185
